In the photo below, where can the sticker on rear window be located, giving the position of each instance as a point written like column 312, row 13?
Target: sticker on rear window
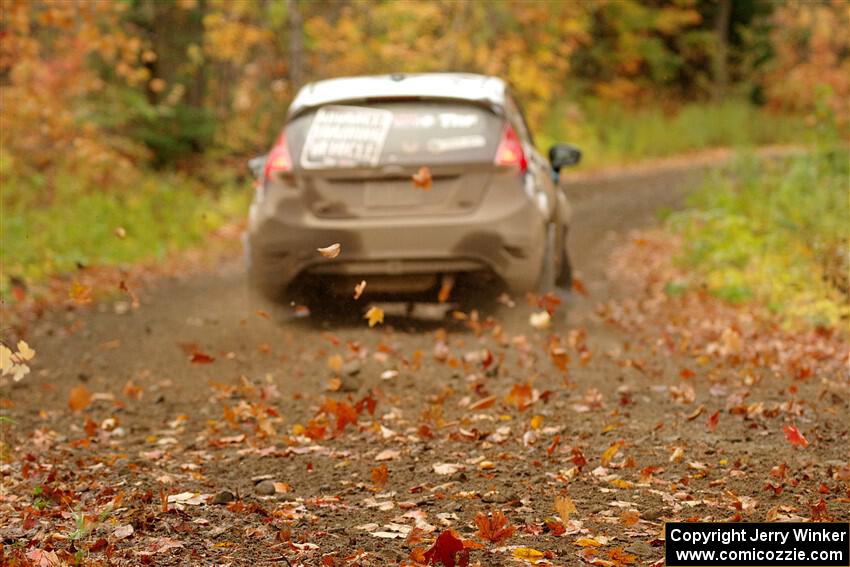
column 455, row 143
column 346, row 136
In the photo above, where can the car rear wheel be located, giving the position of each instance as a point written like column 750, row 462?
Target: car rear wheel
column 549, row 269
column 565, row 270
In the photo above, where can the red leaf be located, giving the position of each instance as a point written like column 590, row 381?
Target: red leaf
column 579, row 287
column 446, row 550
column 793, row 435
column 550, row 302
column 200, row 358
column 712, row 420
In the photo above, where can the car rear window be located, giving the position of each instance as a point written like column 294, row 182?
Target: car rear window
column 404, row 133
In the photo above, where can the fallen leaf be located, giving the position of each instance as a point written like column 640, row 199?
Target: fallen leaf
column 422, row 179
column 494, row 529
column 122, row 532
column 120, row 232
column 380, row 474
column 201, row 358
column 79, row 398
column 793, row 435
column 610, row 452
column 448, row 550
column 375, row 315
column 446, row 288
column 331, row 251
column 447, row 468
column 713, row 419
column 540, row 320
column 359, row 289
column 79, row 293
column 527, row 554
column 564, row 506
column 578, row 286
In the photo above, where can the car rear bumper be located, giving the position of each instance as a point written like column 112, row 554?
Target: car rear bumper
column 504, row 236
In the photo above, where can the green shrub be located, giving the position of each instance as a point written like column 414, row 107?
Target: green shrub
column 777, row 231
column 608, row 133
column 160, row 213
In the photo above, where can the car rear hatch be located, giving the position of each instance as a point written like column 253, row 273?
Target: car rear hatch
column 358, row 160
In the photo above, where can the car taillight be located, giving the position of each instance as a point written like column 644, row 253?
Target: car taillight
column 510, row 150
column 279, row 160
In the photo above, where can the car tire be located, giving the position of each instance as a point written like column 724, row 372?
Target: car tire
column 564, row 280
column 548, row 270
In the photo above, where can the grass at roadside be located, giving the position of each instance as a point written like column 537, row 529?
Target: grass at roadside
column 95, row 226
column 775, row 231
column 609, row 134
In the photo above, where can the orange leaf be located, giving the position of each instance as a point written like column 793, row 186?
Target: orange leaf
column 550, row 302
column 380, row 474
column 495, row 529
column 579, row 287
column 793, row 435
column 79, row 399
column 422, row 179
column 560, row 358
column 713, row 419
column 520, row 396
column 79, row 293
column 564, row 506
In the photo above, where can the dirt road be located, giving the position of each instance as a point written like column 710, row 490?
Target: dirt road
column 429, row 424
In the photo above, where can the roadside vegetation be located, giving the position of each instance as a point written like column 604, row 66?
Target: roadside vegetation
column 774, row 231
column 613, row 135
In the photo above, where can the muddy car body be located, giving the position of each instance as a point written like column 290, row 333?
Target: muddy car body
column 341, row 172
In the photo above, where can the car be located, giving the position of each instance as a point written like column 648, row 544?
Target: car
column 484, row 210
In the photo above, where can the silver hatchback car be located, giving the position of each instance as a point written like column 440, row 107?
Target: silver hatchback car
column 344, row 170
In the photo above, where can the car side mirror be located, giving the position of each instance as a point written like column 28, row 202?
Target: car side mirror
column 257, row 165
column 563, row 155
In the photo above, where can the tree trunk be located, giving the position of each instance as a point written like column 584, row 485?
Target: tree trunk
column 721, row 47
column 296, row 45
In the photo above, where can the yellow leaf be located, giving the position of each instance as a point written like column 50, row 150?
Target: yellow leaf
column 609, row 454
column 564, row 506
column 587, row 542
column 335, row 363
column 620, row 483
column 527, row 554
column 80, row 293
column 536, row 421
column 24, row 351
column 375, row 315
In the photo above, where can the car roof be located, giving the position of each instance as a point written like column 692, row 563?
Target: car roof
column 470, row 87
